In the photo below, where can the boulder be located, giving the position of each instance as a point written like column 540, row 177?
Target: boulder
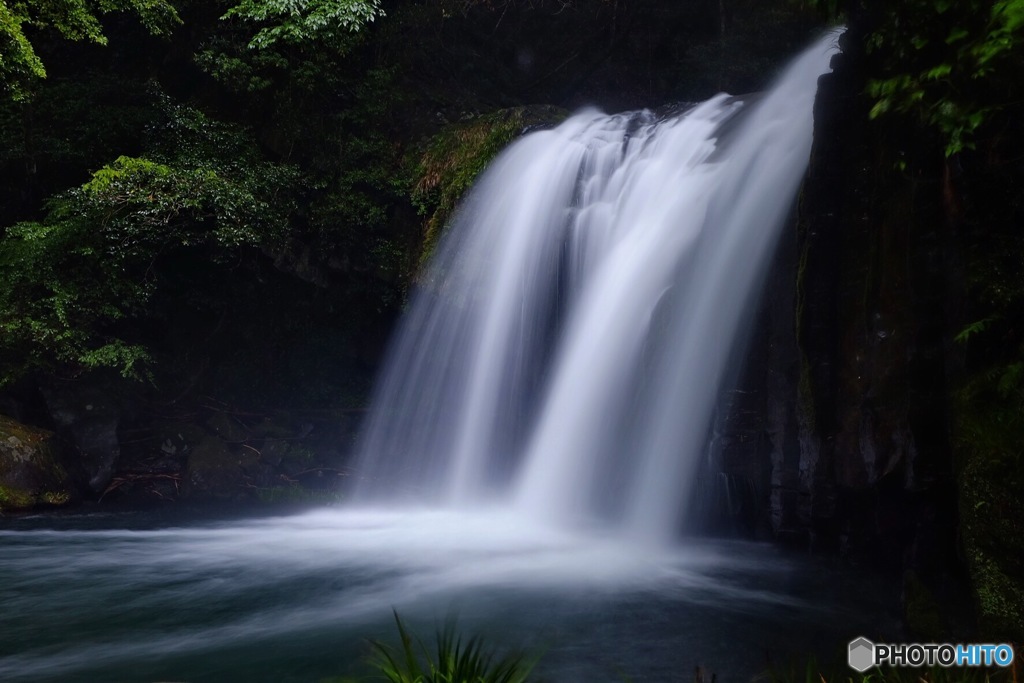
column 88, row 420
column 30, row 470
column 218, row 471
column 228, row 428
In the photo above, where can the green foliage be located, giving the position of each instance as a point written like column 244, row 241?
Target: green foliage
column 50, row 307
column 338, row 120
column 360, row 188
column 267, row 44
column 973, row 329
column 139, row 204
column 71, row 282
column 18, row 60
column 302, row 21
column 334, row 110
column 948, row 64
column 988, row 406
column 988, row 431
column 73, row 20
column 453, row 660
column 80, row 122
column 367, row 179
column 241, row 72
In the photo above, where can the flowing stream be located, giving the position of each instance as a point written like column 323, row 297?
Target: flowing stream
column 528, row 457
column 171, row 596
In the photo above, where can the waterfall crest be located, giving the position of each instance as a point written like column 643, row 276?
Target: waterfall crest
column 564, row 350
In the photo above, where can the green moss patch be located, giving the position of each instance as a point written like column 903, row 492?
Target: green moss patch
column 453, row 159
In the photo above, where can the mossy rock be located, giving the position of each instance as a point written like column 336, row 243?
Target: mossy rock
column 452, row 159
column 31, row 474
column 228, row 428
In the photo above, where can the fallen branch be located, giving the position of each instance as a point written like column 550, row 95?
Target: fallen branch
column 145, row 477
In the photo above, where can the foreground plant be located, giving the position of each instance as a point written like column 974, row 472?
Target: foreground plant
column 453, row 661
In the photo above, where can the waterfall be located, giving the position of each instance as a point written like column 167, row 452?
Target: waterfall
column 564, row 349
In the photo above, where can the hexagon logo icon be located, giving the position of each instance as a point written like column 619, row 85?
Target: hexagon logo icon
column 862, row 654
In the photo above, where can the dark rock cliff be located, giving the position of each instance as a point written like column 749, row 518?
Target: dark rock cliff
column 873, row 328
column 850, row 428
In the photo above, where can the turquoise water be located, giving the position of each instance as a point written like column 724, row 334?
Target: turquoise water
column 172, row 595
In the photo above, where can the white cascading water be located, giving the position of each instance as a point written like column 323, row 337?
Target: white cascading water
column 568, row 342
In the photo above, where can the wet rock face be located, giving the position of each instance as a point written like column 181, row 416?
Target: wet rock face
column 792, row 428
column 30, row 470
column 837, row 430
column 855, row 370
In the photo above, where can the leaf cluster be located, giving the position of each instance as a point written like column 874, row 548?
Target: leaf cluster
column 72, row 283
column 950, row 65
column 302, row 21
column 77, row 20
column 262, row 45
column 452, row 660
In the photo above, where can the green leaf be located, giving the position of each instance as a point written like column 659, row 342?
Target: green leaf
column 879, row 108
column 76, row 20
column 956, row 35
column 975, row 328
